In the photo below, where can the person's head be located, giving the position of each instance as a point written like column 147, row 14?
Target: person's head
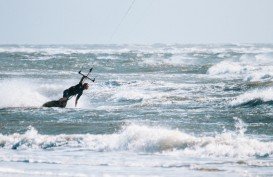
column 85, row 86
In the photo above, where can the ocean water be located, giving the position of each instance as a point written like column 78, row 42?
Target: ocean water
column 154, row 110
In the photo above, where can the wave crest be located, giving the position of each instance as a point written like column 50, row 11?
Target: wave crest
column 146, row 139
column 254, row 98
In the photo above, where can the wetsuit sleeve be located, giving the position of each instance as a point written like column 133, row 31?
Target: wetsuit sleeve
column 81, row 80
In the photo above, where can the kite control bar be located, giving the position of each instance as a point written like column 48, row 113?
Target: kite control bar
column 86, row 76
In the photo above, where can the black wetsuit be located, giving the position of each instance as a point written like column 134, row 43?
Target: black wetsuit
column 74, row 90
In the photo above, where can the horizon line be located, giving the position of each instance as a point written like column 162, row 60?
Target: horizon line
column 143, row 44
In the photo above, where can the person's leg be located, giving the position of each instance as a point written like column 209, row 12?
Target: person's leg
column 63, row 102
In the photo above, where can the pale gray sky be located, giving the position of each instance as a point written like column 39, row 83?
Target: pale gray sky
column 148, row 21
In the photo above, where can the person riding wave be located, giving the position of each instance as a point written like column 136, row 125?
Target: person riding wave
column 75, row 90
column 72, row 91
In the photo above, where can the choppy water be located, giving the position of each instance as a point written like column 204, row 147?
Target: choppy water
column 159, row 110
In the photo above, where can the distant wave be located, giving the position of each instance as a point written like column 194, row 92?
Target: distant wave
column 250, row 67
column 254, row 98
column 140, row 138
column 229, row 67
column 220, row 50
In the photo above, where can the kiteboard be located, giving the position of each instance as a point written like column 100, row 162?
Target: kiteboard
column 61, row 103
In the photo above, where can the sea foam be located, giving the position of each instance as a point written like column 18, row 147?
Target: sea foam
column 20, row 93
column 33, row 93
column 141, row 138
column 249, row 67
column 254, row 97
column 229, row 67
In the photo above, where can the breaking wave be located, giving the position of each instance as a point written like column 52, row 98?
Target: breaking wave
column 254, row 98
column 139, row 138
column 229, row 67
column 250, row 67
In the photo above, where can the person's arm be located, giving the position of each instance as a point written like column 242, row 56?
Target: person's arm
column 83, row 77
column 77, row 98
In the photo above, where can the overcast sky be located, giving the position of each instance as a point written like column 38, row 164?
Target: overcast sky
column 146, row 22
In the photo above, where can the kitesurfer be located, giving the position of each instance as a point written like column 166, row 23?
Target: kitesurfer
column 75, row 90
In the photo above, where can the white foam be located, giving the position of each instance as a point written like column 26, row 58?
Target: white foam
column 174, row 60
column 257, row 59
column 19, row 93
column 33, row 93
column 260, row 76
column 264, row 95
column 250, row 67
column 140, row 138
column 55, row 50
column 147, row 92
column 147, row 49
column 130, row 95
column 229, row 67
column 23, row 172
